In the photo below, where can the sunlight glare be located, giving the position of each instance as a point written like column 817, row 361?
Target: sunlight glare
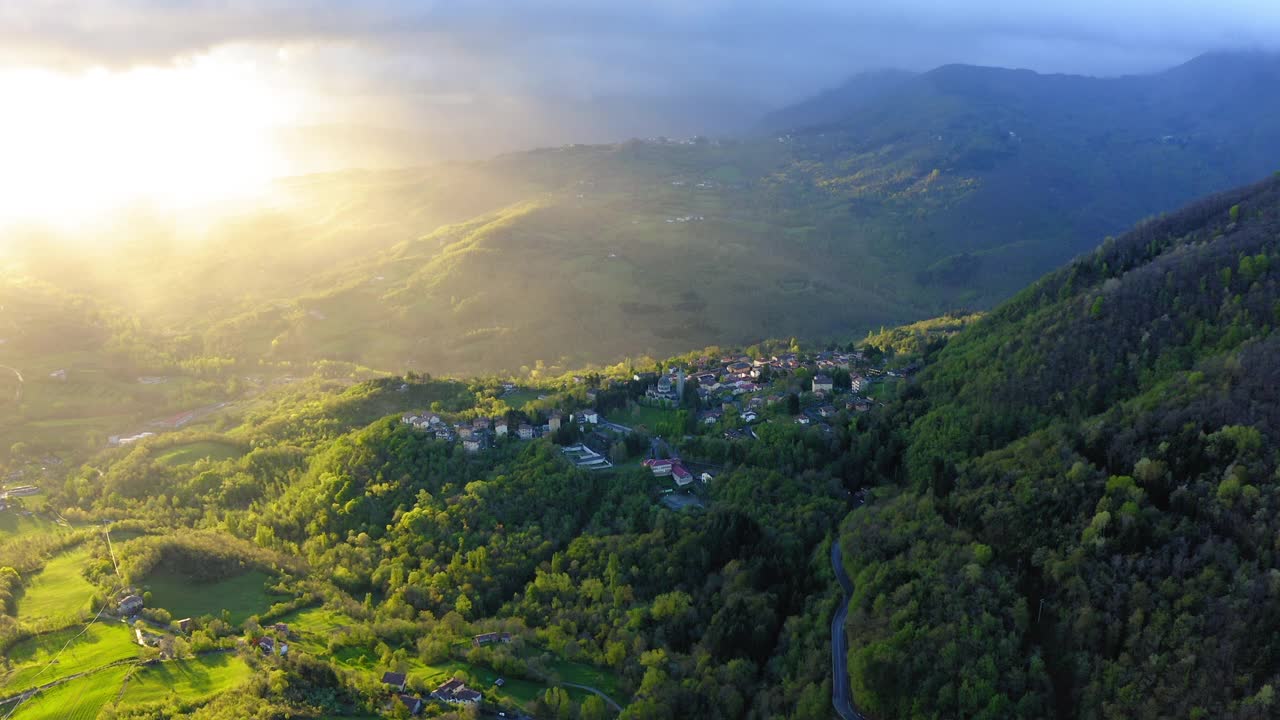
column 76, row 145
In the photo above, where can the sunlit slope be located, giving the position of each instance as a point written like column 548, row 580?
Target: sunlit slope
column 555, row 280
column 947, row 190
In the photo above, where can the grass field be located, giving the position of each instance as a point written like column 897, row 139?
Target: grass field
column 885, row 391
column 58, row 595
column 642, row 415
column 191, row 452
column 584, row 674
column 14, row 525
column 102, row 643
column 242, row 596
column 79, row 699
column 186, row 681
column 317, row 621
column 519, row 397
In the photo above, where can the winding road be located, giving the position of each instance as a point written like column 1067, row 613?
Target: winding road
column 841, row 695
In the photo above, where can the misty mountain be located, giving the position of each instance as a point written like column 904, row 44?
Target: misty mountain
column 836, row 103
column 953, row 188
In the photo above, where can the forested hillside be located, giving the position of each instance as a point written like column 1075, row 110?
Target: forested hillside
column 1081, row 521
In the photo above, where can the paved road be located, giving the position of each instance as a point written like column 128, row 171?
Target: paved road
column 841, row 695
column 588, row 688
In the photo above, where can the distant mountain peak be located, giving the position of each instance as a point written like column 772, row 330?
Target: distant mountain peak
column 830, row 105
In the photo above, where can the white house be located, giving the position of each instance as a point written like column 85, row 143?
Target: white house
column 823, row 383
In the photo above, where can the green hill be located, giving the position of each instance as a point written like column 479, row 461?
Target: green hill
column 1079, row 523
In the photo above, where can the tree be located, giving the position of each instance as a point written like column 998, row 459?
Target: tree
column 594, row 708
column 463, row 605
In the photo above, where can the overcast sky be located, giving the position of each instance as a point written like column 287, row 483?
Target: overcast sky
column 556, row 70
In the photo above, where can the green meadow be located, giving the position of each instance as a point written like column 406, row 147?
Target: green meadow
column 58, row 595
column 81, row 699
column 191, row 452
column 185, row 681
column 14, row 525
column 241, row 596
column 56, row 655
column 643, row 416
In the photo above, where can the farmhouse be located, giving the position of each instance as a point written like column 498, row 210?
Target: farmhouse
column 131, row 605
column 457, row 693
column 394, row 679
column 490, row 638
column 413, row 704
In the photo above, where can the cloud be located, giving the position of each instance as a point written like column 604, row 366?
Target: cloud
column 472, row 61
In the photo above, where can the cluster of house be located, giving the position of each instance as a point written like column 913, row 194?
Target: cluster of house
column 685, row 219
column 482, row 432
column 453, row 692
column 674, row 469
column 131, row 604
column 721, row 385
column 269, row 646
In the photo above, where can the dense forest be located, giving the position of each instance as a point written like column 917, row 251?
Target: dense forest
column 1081, row 520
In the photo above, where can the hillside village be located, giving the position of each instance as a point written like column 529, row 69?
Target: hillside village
column 726, row 397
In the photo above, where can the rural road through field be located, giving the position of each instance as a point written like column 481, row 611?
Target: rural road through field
column 841, row 695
